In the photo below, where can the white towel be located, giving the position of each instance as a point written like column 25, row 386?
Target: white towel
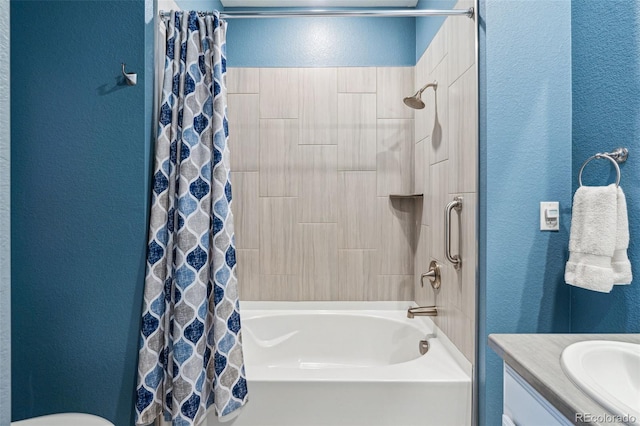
column 620, row 261
column 592, row 240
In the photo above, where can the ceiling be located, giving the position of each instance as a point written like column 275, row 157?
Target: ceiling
column 319, row 3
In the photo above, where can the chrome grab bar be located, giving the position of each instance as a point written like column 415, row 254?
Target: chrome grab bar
column 453, row 258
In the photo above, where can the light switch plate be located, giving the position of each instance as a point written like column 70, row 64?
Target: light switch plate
column 549, row 216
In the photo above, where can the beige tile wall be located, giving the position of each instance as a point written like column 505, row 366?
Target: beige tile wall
column 315, row 153
column 446, row 166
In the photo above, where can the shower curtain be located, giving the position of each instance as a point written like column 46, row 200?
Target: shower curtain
column 191, row 348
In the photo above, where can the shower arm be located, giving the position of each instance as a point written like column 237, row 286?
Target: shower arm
column 426, row 86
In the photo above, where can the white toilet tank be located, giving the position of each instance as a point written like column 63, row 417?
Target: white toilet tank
column 64, row 419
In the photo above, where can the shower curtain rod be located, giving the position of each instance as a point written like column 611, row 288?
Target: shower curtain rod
column 324, row 13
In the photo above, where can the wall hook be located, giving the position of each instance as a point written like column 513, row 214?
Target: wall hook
column 130, row 78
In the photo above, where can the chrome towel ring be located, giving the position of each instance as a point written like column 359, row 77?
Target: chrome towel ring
column 618, row 156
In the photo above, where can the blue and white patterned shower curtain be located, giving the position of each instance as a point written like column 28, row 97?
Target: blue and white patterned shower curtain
column 190, row 348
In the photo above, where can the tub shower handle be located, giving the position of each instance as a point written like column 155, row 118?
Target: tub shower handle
column 433, row 275
column 456, row 205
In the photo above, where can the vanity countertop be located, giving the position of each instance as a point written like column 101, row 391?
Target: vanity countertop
column 536, row 357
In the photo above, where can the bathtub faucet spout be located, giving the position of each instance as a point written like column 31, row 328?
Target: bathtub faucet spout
column 422, row 311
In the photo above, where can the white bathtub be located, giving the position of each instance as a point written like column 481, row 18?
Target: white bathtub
column 351, row 364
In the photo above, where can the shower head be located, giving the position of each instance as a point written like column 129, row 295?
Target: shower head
column 415, row 101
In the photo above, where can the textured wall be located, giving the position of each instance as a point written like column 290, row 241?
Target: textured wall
column 315, row 42
column 427, row 28
column 321, row 42
column 606, row 114
column 525, row 153
column 446, row 158
column 315, row 154
column 150, row 13
column 79, row 194
column 5, row 243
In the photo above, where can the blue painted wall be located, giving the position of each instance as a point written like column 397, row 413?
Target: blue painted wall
column 606, row 114
column 79, row 197
column 150, row 16
column 525, row 156
column 321, row 42
column 427, row 28
column 316, row 42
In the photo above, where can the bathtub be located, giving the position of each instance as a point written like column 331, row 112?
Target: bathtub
column 351, row 364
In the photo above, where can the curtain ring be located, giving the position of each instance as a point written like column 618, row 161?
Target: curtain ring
column 597, row 156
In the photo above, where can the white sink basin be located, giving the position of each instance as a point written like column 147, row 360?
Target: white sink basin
column 609, row 372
